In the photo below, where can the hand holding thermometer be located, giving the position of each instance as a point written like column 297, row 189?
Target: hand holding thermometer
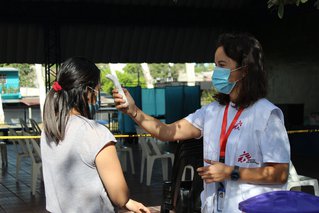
column 118, row 87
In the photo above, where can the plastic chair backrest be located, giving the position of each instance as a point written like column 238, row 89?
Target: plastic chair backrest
column 151, row 142
column 18, row 143
column 33, row 148
column 293, row 175
column 147, row 145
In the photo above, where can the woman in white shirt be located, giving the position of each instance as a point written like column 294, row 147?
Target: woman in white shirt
column 246, row 147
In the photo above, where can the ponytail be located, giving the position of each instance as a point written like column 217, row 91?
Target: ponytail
column 56, row 114
column 70, row 91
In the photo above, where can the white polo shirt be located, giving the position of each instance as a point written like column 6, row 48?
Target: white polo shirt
column 258, row 137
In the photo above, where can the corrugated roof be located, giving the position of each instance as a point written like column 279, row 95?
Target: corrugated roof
column 123, row 30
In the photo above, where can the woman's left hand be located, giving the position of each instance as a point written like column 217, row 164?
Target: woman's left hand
column 215, row 172
column 136, row 207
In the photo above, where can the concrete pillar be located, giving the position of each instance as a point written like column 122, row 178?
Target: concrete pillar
column 147, row 75
column 41, row 84
column 190, row 72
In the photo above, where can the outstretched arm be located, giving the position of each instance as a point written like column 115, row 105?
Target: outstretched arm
column 179, row 130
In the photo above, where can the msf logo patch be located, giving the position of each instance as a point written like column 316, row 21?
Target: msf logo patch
column 238, row 125
column 246, row 158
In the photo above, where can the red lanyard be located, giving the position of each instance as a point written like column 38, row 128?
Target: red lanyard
column 223, row 135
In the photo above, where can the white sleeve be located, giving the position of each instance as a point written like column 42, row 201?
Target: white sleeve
column 197, row 118
column 274, row 141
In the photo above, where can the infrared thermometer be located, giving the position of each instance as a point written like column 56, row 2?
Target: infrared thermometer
column 118, row 87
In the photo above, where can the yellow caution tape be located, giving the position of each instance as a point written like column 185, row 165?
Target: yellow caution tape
column 38, row 136
column 302, row 131
column 133, row 136
column 141, row 135
column 20, row 137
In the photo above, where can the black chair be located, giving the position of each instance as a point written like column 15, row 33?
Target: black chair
column 184, row 196
column 35, row 127
column 24, row 125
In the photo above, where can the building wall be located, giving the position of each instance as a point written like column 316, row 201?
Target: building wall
column 294, row 82
column 292, row 60
column 12, row 115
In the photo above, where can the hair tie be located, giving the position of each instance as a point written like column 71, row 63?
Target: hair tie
column 56, row 86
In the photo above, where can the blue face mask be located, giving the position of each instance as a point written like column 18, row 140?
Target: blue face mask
column 220, row 80
column 95, row 107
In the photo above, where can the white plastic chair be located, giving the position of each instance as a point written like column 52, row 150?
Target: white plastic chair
column 4, row 154
column 122, row 152
column 21, row 151
column 35, row 154
column 151, row 152
column 296, row 181
column 188, row 168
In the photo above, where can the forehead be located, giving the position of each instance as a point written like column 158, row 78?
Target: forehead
column 221, row 57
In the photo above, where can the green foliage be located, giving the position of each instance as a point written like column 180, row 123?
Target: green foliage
column 281, row 5
column 176, row 68
column 159, row 70
column 199, row 68
column 127, row 79
column 131, row 80
column 207, row 96
column 9, row 90
column 133, row 69
column 26, row 74
column 164, row 71
column 106, row 84
column 132, row 76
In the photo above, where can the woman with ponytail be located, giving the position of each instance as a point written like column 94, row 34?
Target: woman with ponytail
column 81, row 169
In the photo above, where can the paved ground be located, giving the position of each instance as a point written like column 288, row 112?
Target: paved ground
column 16, row 197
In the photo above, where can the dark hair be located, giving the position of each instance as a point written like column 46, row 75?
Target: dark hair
column 75, row 76
column 247, row 52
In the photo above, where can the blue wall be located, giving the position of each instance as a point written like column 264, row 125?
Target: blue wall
column 168, row 104
column 12, row 83
column 181, row 101
column 126, row 124
column 153, row 101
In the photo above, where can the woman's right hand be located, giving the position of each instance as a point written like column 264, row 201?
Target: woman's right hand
column 136, row 207
column 119, row 102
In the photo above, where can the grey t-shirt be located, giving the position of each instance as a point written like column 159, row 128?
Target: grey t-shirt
column 71, row 179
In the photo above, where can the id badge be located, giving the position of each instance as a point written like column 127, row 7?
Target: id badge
column 220, row 197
